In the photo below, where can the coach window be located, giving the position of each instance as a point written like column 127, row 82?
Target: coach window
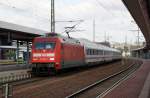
column 105, row 52
column 87, row 51
column 100, row 52
column 93, row 51
column 90, row 51
column 96, row 52
column 108, row 52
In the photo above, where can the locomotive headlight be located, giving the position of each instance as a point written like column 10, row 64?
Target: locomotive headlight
column 35, row 59
column 51, row 54
column 36, row 55
column 52, row 59
column 43, row 54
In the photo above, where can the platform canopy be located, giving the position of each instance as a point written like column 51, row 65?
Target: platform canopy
column 140, row 10
column 18, row 32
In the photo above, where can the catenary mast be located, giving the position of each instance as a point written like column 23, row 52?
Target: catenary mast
column 52, row 16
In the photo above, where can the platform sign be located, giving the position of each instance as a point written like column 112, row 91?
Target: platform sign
column 7, row 91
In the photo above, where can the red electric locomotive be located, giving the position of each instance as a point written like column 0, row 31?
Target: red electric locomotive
column 55, row 52
column 52, row 53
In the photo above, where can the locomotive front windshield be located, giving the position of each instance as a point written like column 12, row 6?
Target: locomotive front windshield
column 44, row 45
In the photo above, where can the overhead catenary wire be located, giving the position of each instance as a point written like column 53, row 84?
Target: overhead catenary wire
column 109, row 11
column 103, row 6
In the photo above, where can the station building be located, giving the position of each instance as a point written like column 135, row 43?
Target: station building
column 140, row 11
column 141, row 53
column 16, row 41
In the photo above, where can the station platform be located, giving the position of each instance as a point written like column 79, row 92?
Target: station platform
column 136, row 86
column 14, row 67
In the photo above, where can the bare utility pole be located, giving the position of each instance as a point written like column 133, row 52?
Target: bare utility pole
column 52, row 16
column 126, row 39
column 105, row 39
column 138, row 36
column 94, row 30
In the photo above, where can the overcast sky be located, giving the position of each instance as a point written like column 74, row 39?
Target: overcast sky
column 111, row 17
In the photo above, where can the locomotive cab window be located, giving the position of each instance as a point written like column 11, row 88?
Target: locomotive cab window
column 39, row 46
column 48, row 45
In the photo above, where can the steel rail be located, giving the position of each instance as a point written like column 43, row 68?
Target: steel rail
column 98, row 82
column 116, row 84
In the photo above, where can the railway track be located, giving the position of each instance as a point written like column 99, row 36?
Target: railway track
column 18, row 83
column 101, row 87
column 66, row 84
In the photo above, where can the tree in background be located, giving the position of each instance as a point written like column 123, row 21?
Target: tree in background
column 10, row 54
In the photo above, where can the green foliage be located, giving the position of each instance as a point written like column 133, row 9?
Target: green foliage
column 10, row 53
